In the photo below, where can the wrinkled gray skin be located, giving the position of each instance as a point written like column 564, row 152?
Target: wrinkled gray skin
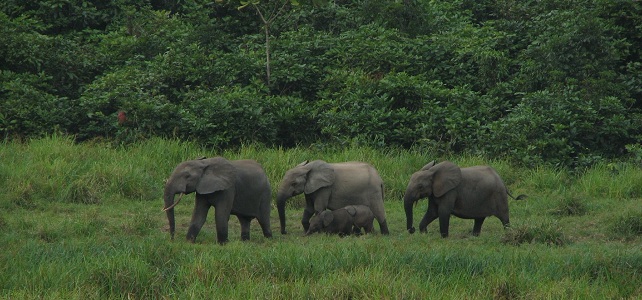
column 332, row 186
column 469, row 193
column 343, row 221
column 238, row 187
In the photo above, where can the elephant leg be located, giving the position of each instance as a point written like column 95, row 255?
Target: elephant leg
column 444, row 220
column 245, row 227
column 223, row 206
column 369, row 228
column 264, row 222
column 478, row 225
column 379, row 212
column 201, row 207
column 356, row 230
column 308, row 212
column 431, row 215
column 505, row 221
column 444, row 223
column 346, row 231
column 383, row 226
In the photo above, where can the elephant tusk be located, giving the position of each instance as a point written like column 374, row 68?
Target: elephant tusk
column 172, row 206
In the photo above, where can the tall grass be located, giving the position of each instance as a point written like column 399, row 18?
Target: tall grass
column 85, row 222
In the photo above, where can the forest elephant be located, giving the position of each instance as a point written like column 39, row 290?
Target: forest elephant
column 343, row 221
column 469, row 193
column 237, row 187
column 332, row 186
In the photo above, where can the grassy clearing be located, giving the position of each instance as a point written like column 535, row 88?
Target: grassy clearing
column 85, row 221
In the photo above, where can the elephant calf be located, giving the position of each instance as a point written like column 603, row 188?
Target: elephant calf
column 343, row 221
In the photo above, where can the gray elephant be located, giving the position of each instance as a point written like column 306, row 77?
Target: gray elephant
column 343, row 221
column 237, row 187
column 332, row 186
column 469, row 193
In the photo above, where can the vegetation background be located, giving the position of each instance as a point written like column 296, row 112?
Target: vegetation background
column 556, row 82
column 100, row 100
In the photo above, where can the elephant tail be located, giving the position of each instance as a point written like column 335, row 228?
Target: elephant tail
column 520, row 197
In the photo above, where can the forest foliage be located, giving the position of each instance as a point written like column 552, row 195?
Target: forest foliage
column 547, row 81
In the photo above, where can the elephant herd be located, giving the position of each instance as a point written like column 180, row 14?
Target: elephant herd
column 339, row 197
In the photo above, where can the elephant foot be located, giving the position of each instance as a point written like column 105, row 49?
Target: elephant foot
column 245, row 236
column 411, row 230
column 222, row 238
column 384, row 228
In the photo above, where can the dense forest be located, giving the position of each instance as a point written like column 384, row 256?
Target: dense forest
column 535, row 81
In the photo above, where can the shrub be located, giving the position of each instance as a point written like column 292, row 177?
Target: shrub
column 294, row 121
column 560, row 129
column 227, row 118
column 357, row 106
column 29, row 107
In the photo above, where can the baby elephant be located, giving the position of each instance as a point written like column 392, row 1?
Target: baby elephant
column 343, row 220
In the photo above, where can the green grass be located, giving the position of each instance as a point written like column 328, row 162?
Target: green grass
column 85, row 222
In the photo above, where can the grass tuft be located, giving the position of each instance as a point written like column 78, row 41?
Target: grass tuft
column 546, row 233
column 506, row 290
column 570, row 206
column 628, row 225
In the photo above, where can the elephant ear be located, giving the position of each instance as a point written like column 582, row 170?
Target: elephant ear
column 321, row 174
column 447, row 176
column 428, row 166
column 327, row 218
column 218, row 174
column 351, row 210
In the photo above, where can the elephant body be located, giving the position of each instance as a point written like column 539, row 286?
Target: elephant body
column 343, row 221
column 469, row 193
column 239, row 188
column 332, row 186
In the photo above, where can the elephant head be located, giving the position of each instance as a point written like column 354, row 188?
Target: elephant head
column 202, row 176
column 320, row 221
column 307, row 177
column 431, row 181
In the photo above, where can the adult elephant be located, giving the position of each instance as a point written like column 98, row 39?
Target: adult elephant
column 238, row 187
column 469, row 193
column 332, row 186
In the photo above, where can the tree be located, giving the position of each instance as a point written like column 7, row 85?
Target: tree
column 268, row 13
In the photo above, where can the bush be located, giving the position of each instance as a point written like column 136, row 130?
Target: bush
column 227, row 118
column 562, row 129
column 28, row 106
column 372, row 111
column 134, row 91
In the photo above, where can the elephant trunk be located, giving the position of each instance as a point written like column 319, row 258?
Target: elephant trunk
column 408, row 203
column 169, row 210
column 280, row 205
